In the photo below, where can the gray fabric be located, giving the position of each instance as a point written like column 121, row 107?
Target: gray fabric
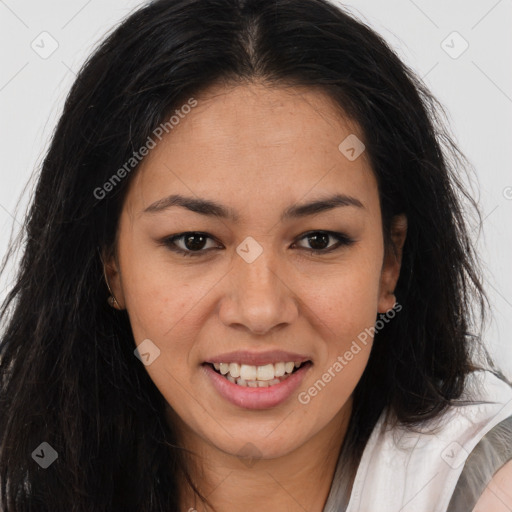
column 339, row 494
column 488, row 456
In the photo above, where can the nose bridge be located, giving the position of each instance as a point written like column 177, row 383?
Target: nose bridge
column 256, row 262
column 256, row 271
column 260, row 299
column 259, row 279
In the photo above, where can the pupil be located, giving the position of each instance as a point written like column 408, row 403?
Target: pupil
column 196, row 246
column 317, row 241
column 314, row 239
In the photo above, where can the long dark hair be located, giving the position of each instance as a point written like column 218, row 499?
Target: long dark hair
column 68, row 374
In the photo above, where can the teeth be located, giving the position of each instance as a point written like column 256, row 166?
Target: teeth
column 256, row 376
column 248, row 372
column 234, row 370
column 279, row 369
column 265, row 372
column 256, row 383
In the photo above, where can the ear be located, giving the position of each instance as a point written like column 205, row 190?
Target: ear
column 112, row 277
column 392, row 263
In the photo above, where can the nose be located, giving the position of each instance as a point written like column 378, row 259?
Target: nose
column 259, row 299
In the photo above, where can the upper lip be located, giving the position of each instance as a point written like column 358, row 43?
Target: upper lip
column 258, row 358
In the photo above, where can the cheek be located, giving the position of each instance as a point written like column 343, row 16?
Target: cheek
column 165, row 309
column 347, row 299
column 345, row 322
column 346, row 309
column 159, row 295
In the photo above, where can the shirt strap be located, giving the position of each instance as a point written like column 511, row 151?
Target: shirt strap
column 492, row 452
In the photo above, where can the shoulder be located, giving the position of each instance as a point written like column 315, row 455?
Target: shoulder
column 486, row 471
column 419, row 469
column 497, row 496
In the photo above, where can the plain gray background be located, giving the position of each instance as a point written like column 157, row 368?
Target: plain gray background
column 462, row 49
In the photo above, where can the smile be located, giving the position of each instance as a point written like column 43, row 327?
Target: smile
column 257, row 376
column 263, row 386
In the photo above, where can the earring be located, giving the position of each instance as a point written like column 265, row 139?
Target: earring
column 112, row 301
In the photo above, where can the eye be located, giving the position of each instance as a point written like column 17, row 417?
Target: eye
column 193, row 243
column 320, row 241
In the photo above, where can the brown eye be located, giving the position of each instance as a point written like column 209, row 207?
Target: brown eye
column 194, row 242
column 191, row 243
column 319, row 241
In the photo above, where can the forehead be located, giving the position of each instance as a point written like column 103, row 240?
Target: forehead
column 254, row 143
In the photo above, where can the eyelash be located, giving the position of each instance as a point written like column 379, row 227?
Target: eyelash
column 342, row 241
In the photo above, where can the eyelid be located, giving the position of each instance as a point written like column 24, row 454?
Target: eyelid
column 170, row 243
column 341, row 238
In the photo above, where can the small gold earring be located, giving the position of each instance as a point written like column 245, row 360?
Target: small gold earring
column 112, row 301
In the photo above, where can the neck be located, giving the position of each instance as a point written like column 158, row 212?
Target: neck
column 296, row 481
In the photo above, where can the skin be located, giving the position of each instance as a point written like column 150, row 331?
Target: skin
column 256, row 150
column 497, row 496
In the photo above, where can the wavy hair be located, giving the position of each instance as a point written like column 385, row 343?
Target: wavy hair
column 68, row 373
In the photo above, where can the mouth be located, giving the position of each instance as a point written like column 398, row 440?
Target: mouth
column 258, row 386
column 253, row 376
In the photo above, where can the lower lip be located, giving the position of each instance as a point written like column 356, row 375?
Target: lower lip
column 256, row 398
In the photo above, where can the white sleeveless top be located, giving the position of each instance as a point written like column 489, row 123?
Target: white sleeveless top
column 407, row 471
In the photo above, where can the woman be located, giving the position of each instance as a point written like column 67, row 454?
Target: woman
column 205, row 150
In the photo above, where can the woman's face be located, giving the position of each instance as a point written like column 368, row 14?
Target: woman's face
column 249, row 292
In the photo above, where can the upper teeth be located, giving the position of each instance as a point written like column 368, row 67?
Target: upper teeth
column 249, row 372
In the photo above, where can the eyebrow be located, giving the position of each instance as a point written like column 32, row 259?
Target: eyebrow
column 214, row 209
